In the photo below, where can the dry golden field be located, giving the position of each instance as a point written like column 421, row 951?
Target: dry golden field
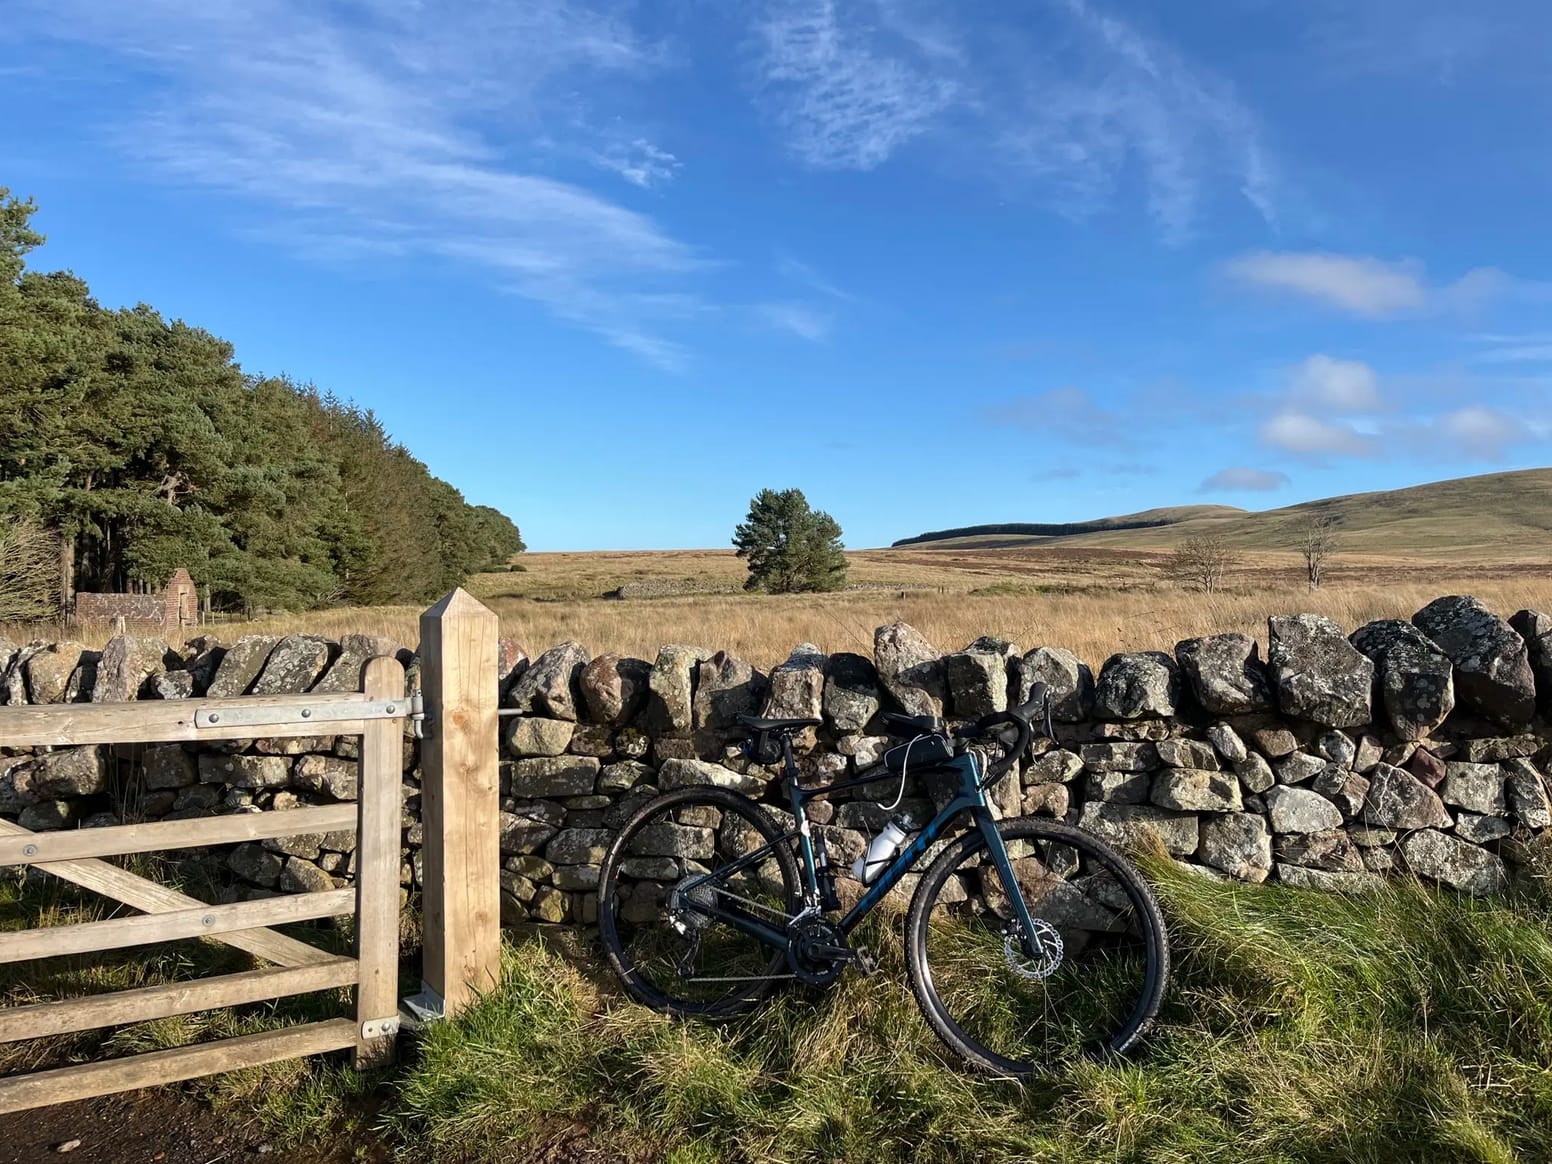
column 1092, row 601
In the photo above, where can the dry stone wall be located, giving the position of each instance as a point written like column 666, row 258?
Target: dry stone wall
column 1327, row 761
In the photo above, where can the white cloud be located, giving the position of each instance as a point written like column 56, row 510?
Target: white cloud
column 1482, row 432
column 1242, row 479
column 1362, row 285
column 639, row 162
column 402, row 132
column 1323, row 382
column 1310, row 436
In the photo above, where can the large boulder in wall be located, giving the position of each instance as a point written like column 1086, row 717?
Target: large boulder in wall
column 1414, row 678
column 910, row 668
column 1316, row 674
column 1493, row 675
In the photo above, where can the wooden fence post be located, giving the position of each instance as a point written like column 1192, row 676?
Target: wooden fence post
column 460, row 802
column 379, row 837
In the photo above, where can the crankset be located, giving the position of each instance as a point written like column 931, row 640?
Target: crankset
column 817, row 951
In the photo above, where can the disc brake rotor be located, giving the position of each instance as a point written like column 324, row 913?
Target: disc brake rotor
column 1042, row 959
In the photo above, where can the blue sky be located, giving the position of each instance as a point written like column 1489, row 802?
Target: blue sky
column 613, row 268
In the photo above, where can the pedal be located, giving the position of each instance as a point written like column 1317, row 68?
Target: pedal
column 865, row 962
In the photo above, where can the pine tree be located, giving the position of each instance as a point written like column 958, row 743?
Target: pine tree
column 790, row 547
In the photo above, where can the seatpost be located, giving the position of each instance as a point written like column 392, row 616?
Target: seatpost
column 790, row 765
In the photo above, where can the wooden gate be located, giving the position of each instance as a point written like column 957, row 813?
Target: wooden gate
column 375, row 713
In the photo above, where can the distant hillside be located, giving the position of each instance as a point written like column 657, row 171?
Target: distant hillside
column 1497, row 515
column 1021, row 532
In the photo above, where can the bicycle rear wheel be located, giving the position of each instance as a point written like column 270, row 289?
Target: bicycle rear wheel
column 682, row 853
column 1092, row 986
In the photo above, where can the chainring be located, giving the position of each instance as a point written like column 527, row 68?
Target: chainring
column 811, row 946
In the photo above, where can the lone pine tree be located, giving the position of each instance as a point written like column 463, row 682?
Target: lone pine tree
column 790, row 547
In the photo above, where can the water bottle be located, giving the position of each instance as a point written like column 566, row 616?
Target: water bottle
column 867, row 867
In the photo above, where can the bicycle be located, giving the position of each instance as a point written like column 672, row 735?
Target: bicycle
column 1028, row 943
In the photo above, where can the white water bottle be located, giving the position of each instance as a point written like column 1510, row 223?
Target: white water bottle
column 867, row 867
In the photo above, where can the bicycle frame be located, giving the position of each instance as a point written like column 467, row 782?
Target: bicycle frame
column 970, row 798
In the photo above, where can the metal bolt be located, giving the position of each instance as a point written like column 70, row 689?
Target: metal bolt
column 215, row 717
column 392, row 710
column 30, row 851
column 208, row 920
column 307, row 713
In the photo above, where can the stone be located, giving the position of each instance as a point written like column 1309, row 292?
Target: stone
column 1118, row 787
column 1475, row 787
column 308, row 845
column 126, row 663
column 1068, row 679
column 666, row 839
column 201, row 798
column 1454, row 862
column 1493, row 676
column 1122, row 757
column 851, row 693
column 330, row 775
column 1057, row 766
column 1528, row 798
column 551, row 686
column 245, row 771
column 1195, row 790
column 240, row 666
column 1047, row 800
column 1237, row 843
column 590, row 739
column 1333, row 851
column 1255, row 774
column 1368, row 754
column 256, row 864
column 549, row 905
column 355, row 652
column 296, row 663
column 1300, row 877
column 1367, row 838
column 977, row 683
column 546, row 776
column 1479, row 830
column 1336, row 747
column 1535, row 627
column 1300, row 810
column 576, row 878
column 797, row 686
column 1498, row 749
column 299, row 876
column 1274, row 743
column 1399, row 800
column 1133, row 825
column 1298, row 767
column 172, row 685
column 1416, row 681
column 48, row 672
column 522, row 835
column 1378, row 860
column 1227, row 743
column 167, row 766
column 623, row 775
column 1316, row 674
column 864, row 750
column 1141, row 685
column 69, row 772
column 615, row 688
column 1426, row 766
column 531, row 735
column 1188, row 754
column 46, row 816
column 1225, row 673
column 685, row 773
column 1347, row 790
column 911, row 669
column 671, row 689
column 725, row 688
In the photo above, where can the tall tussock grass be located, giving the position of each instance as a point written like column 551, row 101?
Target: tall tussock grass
column 1402, row 1024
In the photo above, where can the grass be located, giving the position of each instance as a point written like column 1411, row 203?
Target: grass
column 1400, row 1025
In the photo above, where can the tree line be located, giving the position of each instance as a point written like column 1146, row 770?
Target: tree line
column 141, row 445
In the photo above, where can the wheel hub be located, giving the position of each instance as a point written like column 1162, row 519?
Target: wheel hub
column 1038, row 958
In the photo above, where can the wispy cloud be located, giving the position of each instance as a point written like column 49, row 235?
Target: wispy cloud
column 797, row 318
column 403, row 131
column 1243, row 479
column 1066, row 108
column 800, row 272
column 1067, row 413
column 1362, row 285
column 639, row 162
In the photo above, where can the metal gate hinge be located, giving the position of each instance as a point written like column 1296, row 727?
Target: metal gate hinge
column 380, row 1028
column 322, row 712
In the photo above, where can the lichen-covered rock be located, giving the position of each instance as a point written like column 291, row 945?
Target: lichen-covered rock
column 977, row 682
column 1069, row 680
column 1238, row 844
column 1225, row 673
column 1300, row 877
column 614, row 688
column 1117, row 786
column 685, row 773
column 1300, row 810
column 1298, row 767
column 546, row 776
column 296, row 663
column 299, row 876
column 531, row 735
column 256, row 865
column 1179, row 753
column 551, row 685
column 1498, row 748
column 1367, row 755
column 1057, row 766
column 1140, row 685
column 168, row 766
column 1399, row 800
column 578, row 846
column 355, row 652
column 1333, row 851
column 1047, row 800
column 797, row 685
column 725, row 688
column 1131, row 826
column 330, row 775
column 1479, row 830
column 172, row 685
column 1535, row 627
column 1255, row 774
column 126, row 663
column 851, row 693
column 1195, row 790
column 1416, row 681
column 69, row 772
column 1343, row 788
column 240, row 666
column 1274, row 743
column 1227, row 743
column 245, row 771
column 910, row 668
column 1316, row 673
column 1454, row 862
column 1140, row 756
column 1528, row 798
column 1336, row 747
column 523, row 835
column 623, row 775
column 49, row 671
column 1493, row 676
column 671, row 689
column 1475, row 787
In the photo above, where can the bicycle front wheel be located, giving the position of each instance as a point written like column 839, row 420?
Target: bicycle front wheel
column 1088, row 985
column 678, row 869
